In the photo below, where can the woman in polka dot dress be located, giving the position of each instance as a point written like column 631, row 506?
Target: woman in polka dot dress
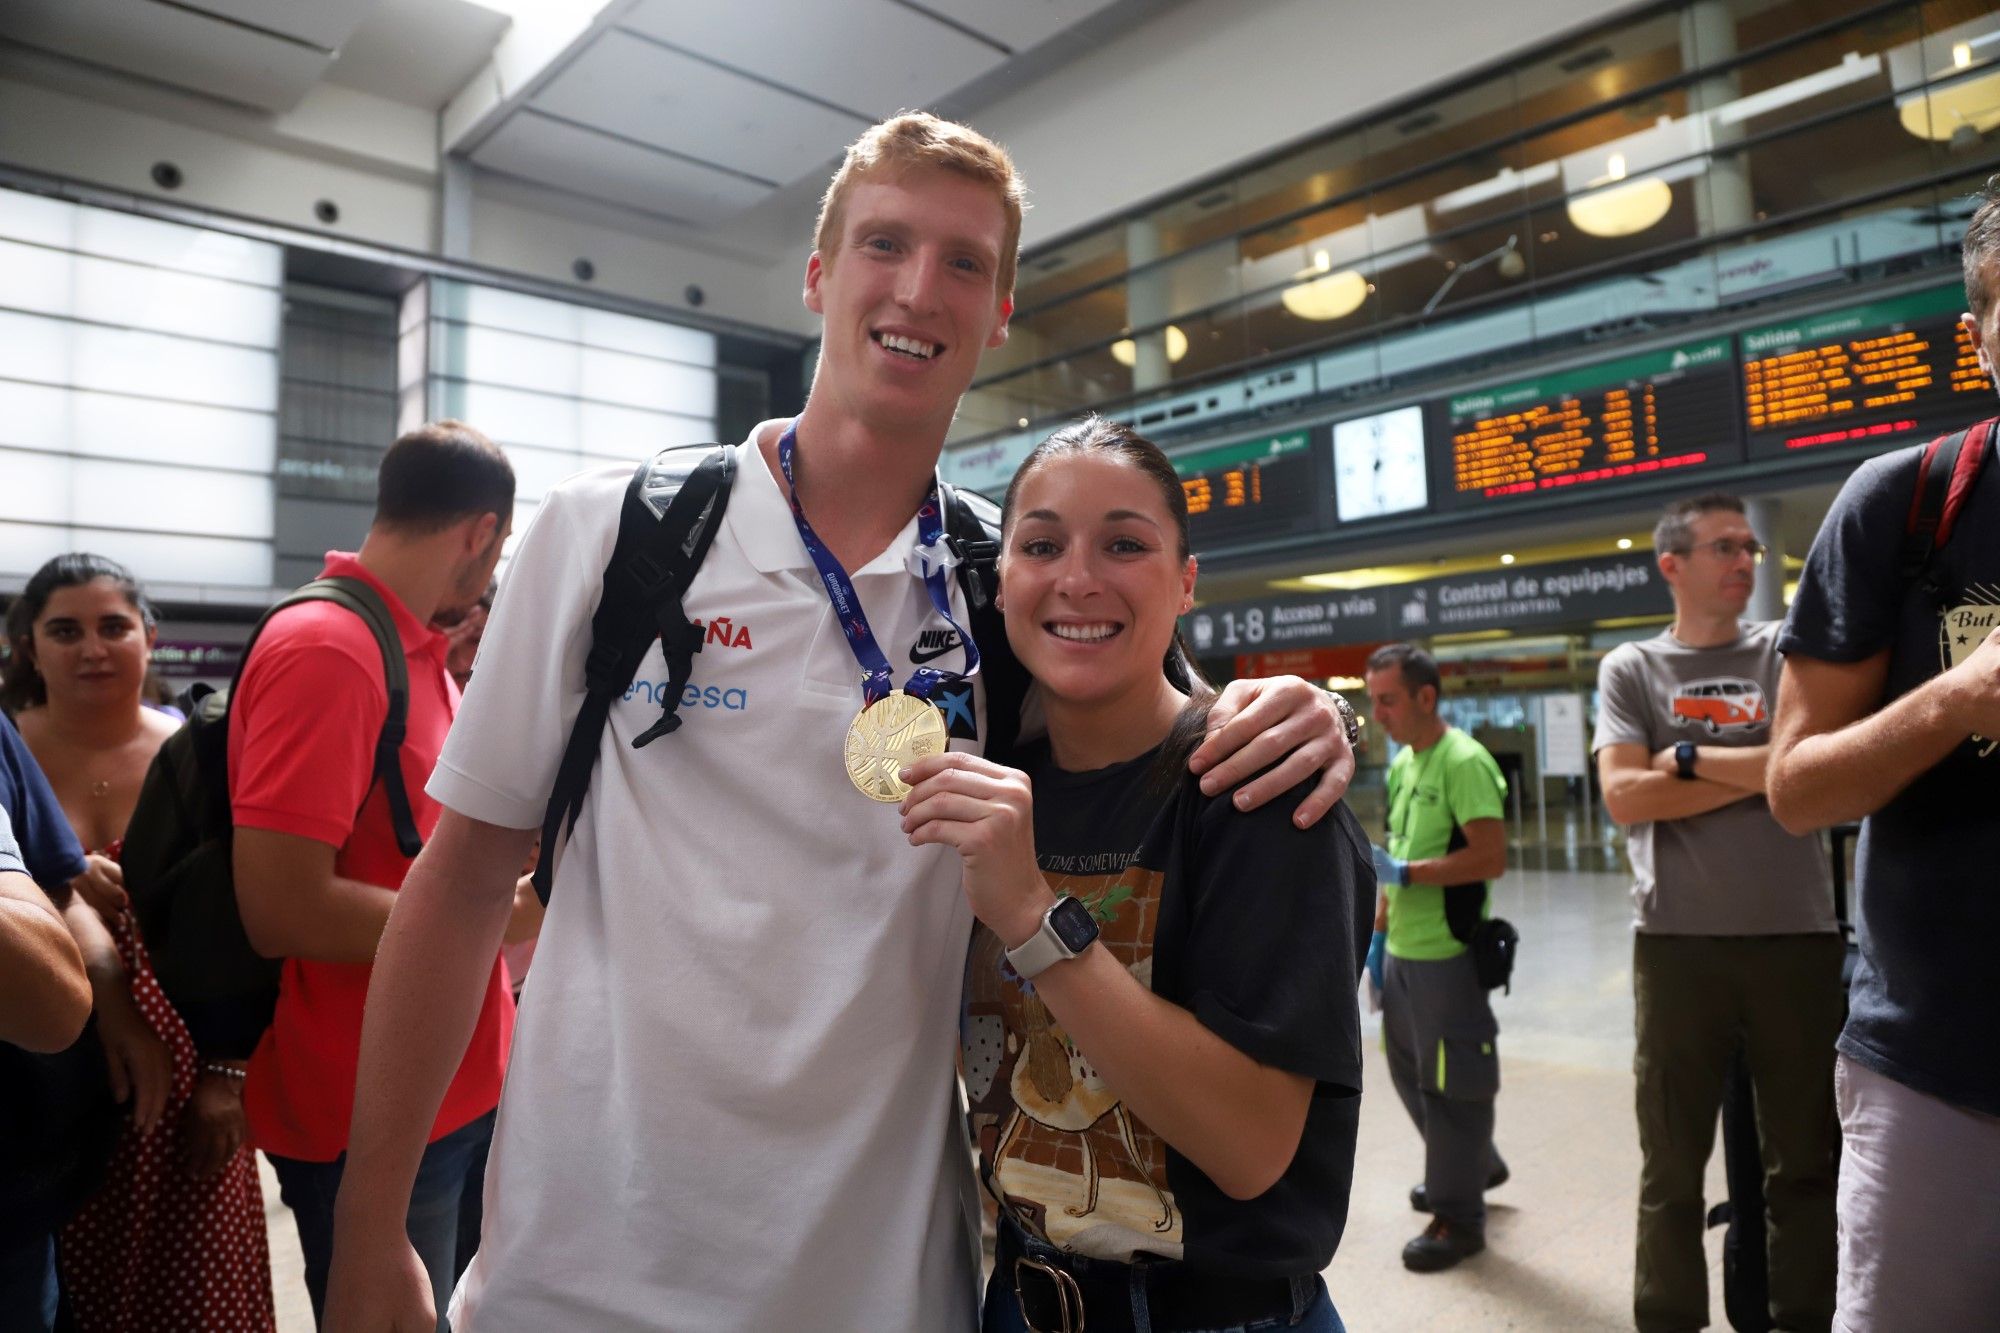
column 174, row 1239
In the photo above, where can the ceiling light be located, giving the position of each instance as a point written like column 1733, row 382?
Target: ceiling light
column 1126, row 352
column 1507, row 559
column 1023, row 424
column 1944, row 109
column 1324, row 295
column 1613, row 209
column 1624, row 543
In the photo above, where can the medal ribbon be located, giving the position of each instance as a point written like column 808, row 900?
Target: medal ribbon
column 877, row 679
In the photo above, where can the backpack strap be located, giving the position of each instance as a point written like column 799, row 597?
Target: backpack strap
column 972, row 531
column 672, row 508
column 1945, row 477
column 363, row 601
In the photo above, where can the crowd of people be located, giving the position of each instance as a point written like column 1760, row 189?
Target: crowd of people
column 1128, row 913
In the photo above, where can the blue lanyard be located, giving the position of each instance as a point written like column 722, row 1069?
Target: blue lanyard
column 877, row 680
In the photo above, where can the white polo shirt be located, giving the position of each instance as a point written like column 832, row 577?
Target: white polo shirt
column 731, row 1102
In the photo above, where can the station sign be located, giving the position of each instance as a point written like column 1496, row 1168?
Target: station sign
column 1531, row 597
column 1880, row 371
column 1657, row 412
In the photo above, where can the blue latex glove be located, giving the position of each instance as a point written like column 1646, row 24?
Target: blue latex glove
column 1378, row 952
column 1388, row 870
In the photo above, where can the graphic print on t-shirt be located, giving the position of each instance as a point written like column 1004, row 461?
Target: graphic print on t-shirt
column 1068, row 1159
column 1720, row 704
column 1961, row 629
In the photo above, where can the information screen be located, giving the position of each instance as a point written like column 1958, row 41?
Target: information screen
column 1253, row 488
column 1896, row 367
column 1378, row 465
column 1674, row 408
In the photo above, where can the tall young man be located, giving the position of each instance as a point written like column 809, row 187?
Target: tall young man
column 730, row 1103
column 1734, row 943
column 1890, row 709
column 317, row 860
column 1446, row 840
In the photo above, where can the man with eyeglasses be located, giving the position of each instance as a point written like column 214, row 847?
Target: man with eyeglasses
column 1892, row 710
column 1735, row 944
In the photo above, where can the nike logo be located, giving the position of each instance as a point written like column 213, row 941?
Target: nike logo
column 933, row 644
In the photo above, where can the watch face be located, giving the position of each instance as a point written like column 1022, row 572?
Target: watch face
column 1073, row 925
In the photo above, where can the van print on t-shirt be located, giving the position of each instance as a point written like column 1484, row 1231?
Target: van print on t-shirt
column 1719, row 704
column 1067, row 1156
column 1961, row 630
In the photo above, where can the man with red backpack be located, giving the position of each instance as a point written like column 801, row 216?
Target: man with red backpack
column 1889, row 710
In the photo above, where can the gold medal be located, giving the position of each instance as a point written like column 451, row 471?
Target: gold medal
column 896, row 731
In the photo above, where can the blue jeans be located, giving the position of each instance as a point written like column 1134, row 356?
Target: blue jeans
column 28, row 1285
column 309, row 1190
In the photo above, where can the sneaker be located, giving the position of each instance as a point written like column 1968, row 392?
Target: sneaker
column 1420, row 1198
column 1442, row 1246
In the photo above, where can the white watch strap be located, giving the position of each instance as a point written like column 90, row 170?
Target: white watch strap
column 1038, row 952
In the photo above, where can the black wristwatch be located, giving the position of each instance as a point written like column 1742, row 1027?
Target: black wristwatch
column 1684, row 755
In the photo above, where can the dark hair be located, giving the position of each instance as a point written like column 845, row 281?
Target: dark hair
column 1675, row 530
column 440, row 473
column 1981, row 247
column 21, row 684
column 1095, row 436
column 1418, row 667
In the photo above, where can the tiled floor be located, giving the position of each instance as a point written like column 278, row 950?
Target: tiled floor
column 1560, row 1233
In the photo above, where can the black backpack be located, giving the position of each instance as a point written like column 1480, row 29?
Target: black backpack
column 671, row 510
column 178, row 846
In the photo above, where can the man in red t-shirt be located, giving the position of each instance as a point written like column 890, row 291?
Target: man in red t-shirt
column 317, row 864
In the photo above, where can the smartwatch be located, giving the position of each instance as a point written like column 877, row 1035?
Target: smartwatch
column 1067, row 930
column 1684, row 753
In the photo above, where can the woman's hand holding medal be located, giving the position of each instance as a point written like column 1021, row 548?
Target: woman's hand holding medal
column 986, row 811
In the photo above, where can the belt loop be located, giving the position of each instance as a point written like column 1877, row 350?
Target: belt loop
column 1142, row 1314
column 1305, row 1287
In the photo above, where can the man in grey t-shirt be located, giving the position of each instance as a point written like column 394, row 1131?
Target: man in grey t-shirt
column 1736, row 947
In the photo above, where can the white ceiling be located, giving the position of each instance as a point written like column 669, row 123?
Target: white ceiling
column 698, row 111
column 688, row 111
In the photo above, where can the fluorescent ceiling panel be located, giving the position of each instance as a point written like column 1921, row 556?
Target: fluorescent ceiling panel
column 38, row 488
column 159, row 558
column 24, row 546
column 563, row 157
column 646, row 92
column 152, row 498
column 183, row 249
column 870, row 56
column 636, row 381
column 647, row 337
column 158, row 366
column 630, row 434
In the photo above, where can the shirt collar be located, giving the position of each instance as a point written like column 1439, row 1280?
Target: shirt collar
column 760, row 517
column 415, row 636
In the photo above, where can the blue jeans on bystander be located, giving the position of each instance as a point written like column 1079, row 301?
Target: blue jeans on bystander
column 443, row 1176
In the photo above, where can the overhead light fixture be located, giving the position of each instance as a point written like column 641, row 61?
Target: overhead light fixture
column 1617, row 207
column 1322, row 294
column 1624, row 543
column 1023, row 424
column 1507, row 559
column 1126, row 352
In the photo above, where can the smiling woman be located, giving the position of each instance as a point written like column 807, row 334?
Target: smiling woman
column 1160, row 1123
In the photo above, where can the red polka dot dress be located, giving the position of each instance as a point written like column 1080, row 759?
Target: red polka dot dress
column 154, row 1250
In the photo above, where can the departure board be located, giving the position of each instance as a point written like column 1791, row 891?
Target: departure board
column 1252, row 488
column 1635, row 417
column 1873, row 372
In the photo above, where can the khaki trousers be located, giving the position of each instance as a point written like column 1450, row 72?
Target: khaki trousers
column 1699, row 998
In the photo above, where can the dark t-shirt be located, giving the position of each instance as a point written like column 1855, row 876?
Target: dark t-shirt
column 1924, row 1009
column 48, row 847
column 1256, row 927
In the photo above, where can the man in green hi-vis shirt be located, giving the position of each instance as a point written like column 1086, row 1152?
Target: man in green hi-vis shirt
column 1446, row 840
